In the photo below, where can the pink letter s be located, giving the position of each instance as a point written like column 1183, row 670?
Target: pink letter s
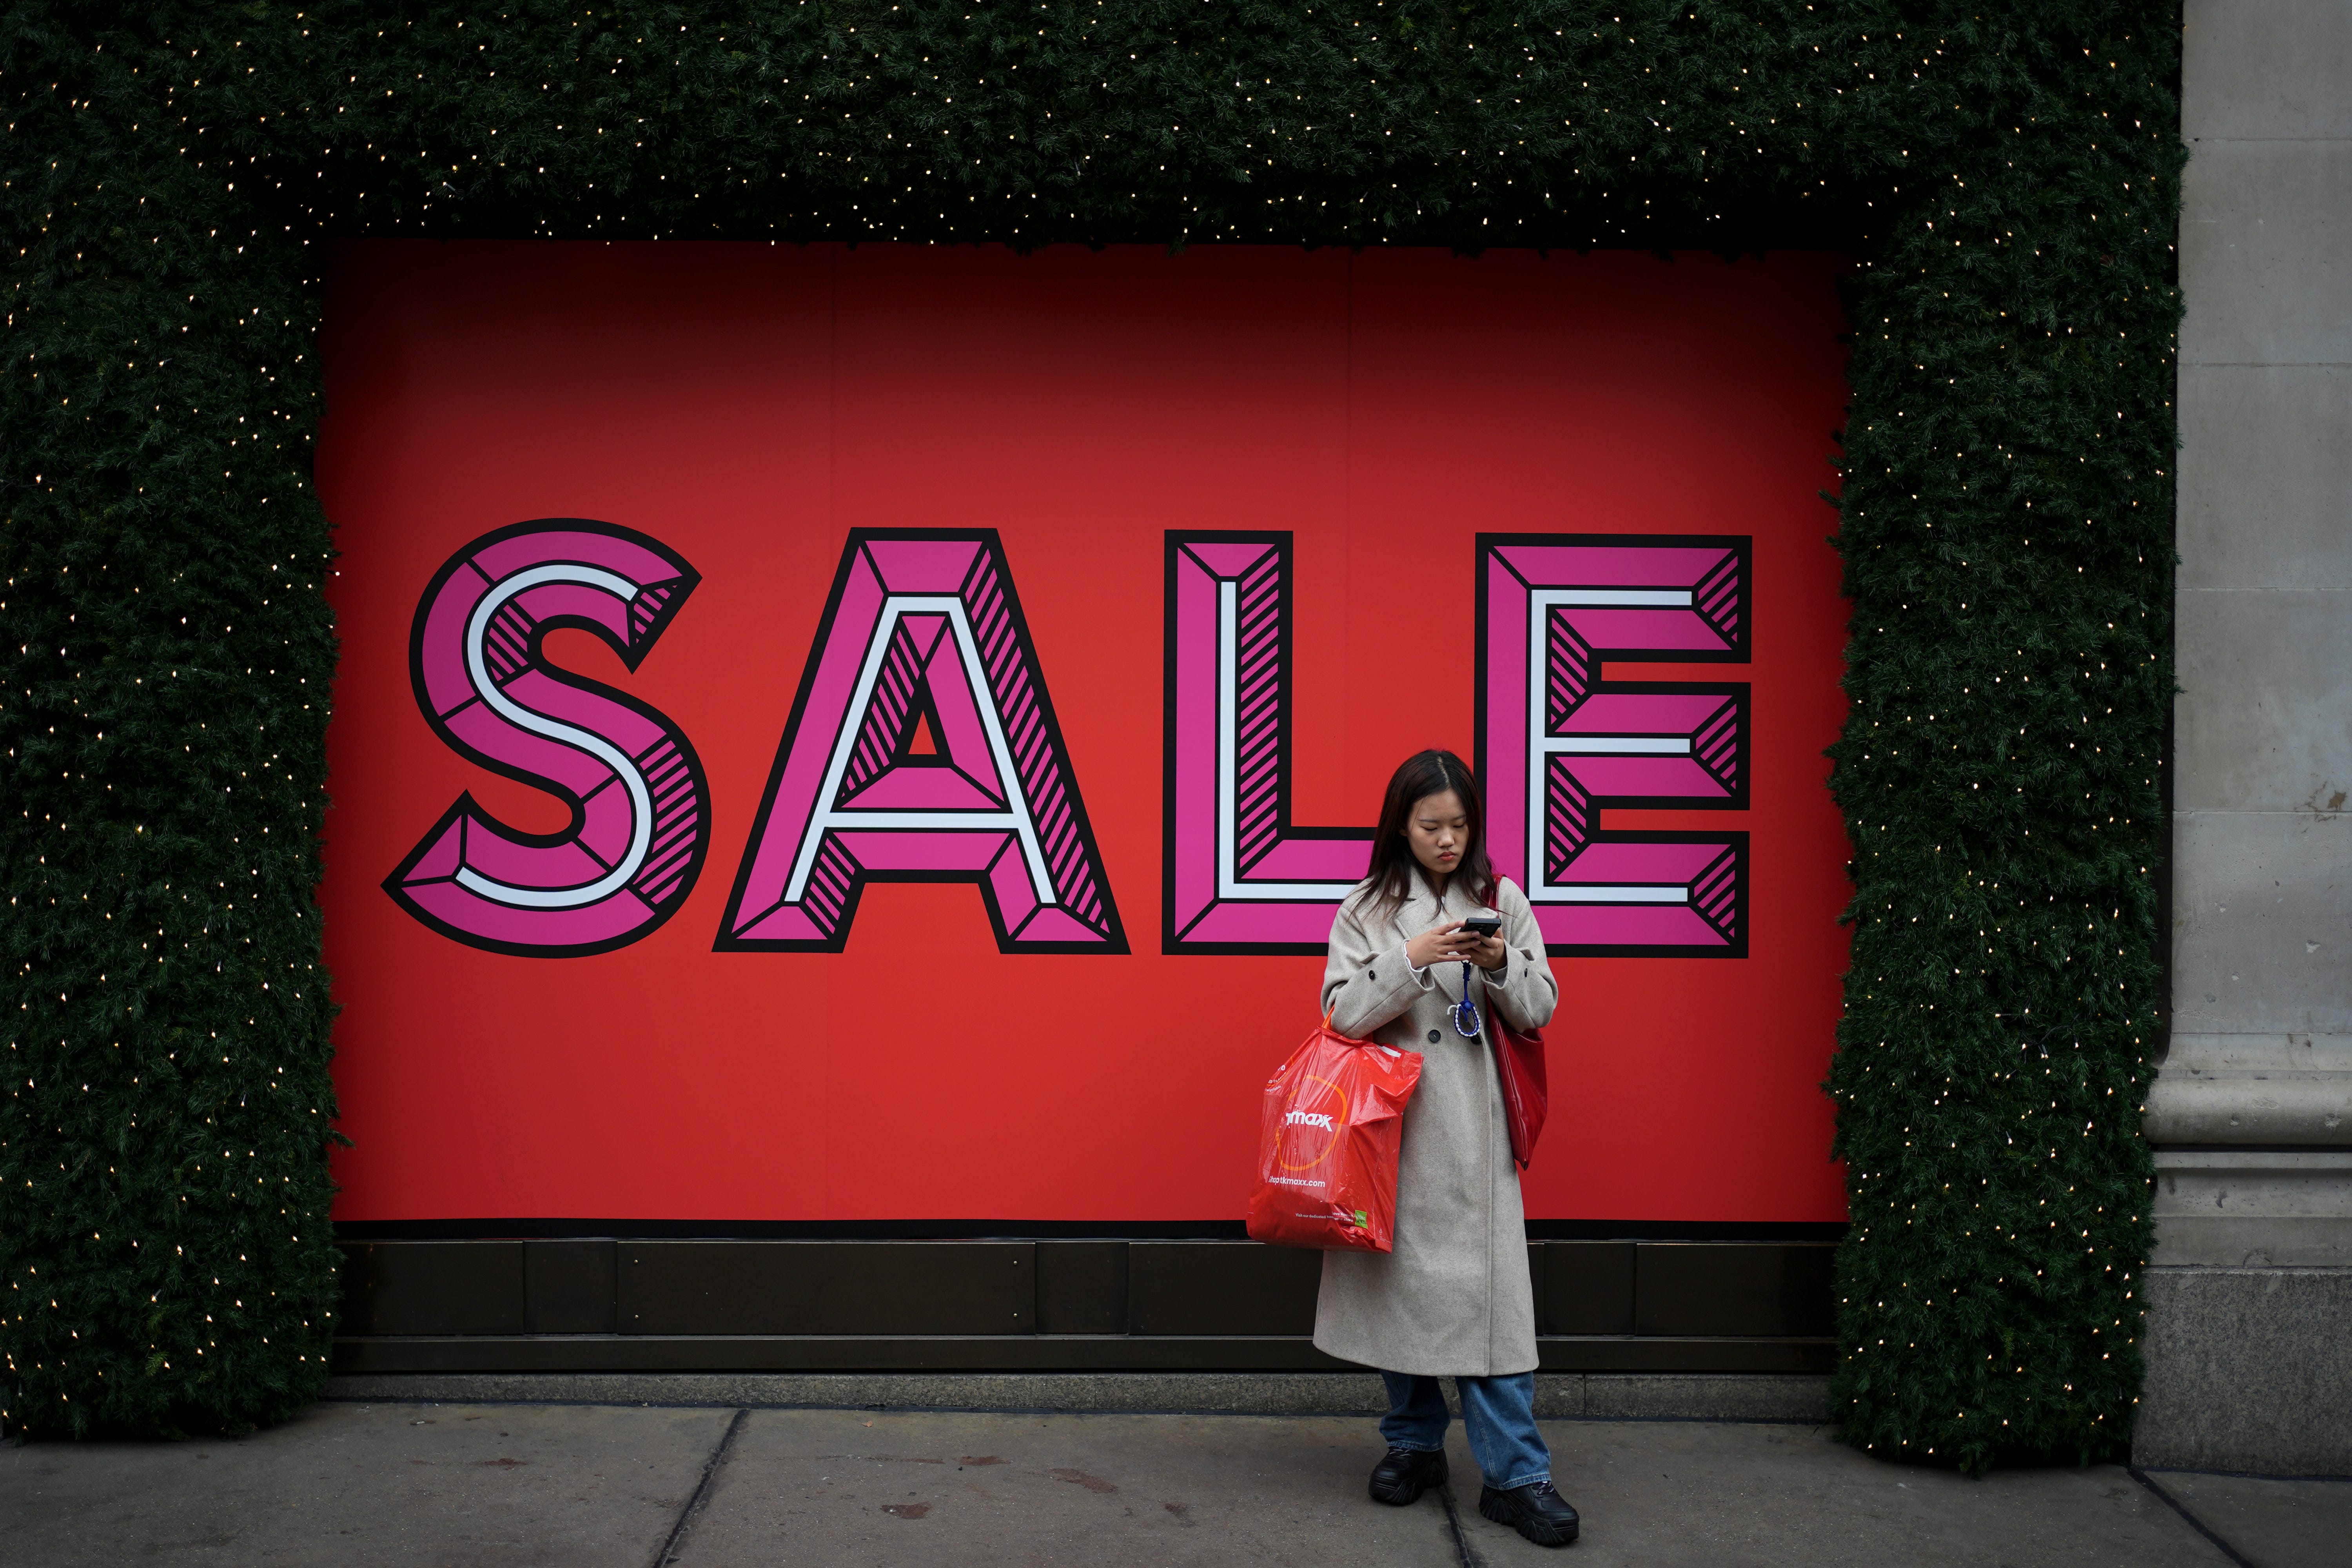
column 639, row 823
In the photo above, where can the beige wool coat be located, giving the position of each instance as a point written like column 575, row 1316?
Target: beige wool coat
column 1453, row 1297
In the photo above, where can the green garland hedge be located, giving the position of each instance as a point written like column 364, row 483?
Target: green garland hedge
column 2007, row 181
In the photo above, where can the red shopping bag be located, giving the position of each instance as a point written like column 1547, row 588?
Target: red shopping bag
column 1526, row 1096
column 1327, row 1147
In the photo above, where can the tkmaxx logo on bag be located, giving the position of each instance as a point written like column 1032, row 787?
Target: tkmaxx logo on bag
column 1297, row 1147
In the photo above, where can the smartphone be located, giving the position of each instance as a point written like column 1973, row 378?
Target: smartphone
column 1483, row 925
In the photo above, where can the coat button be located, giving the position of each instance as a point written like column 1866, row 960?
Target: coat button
column 1433, row 1036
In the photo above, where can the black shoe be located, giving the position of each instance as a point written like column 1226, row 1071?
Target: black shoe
column 1404, row 1474
column 1535, row 1511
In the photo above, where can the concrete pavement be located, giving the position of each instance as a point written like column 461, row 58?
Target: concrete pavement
column 455, row 1485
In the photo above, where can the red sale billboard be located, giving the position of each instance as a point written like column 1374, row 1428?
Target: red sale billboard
column 878, row 734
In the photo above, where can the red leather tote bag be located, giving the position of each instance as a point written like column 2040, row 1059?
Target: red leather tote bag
column 1520, row 1063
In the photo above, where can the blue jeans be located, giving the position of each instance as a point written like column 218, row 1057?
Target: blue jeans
column 1499, row 1414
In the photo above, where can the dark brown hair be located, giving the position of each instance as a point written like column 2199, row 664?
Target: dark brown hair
column 1394, row 868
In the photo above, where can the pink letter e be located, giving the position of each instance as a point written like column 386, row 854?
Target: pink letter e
column 1557, row 743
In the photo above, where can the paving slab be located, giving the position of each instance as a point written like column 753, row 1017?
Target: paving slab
column 1747, row 1496
column 2270, row 1523
column 889, row 1489
column 358, row 1487
column 458, row 1485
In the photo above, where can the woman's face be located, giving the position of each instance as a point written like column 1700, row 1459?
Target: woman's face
column 1439, row 831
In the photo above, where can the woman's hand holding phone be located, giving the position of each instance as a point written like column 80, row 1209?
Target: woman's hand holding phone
column 1453, row 943
column 1446, row 944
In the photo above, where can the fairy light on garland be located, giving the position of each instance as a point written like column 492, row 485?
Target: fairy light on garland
column 2005, row 498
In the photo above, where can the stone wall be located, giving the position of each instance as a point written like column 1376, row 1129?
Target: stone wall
column 2249, row 1297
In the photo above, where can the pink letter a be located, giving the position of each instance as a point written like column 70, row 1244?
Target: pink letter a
column 922, row 631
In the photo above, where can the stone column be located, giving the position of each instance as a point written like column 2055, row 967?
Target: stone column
column 2250, row 1296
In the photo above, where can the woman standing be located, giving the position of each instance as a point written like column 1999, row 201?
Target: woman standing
column 1453, row 1297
